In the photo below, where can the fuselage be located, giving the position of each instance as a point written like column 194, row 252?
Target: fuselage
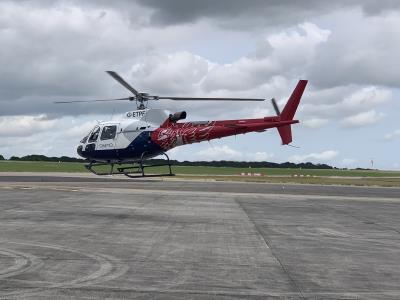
column 149, row 133
column 124, row 140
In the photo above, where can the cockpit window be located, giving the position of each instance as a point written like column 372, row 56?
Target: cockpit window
column 95, row 134
column 83, row 141
column 108, row 132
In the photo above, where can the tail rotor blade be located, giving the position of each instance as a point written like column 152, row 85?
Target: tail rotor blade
column 276, row 108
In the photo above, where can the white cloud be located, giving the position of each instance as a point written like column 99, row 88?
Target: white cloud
column 220, row 153
column 11, row 126
column 314, row 122
column 393, row 135
column 274, row 57
column 179, row 72
column 261, row 156
column 48, row 137
column 305, row 44
column 362, row 119
column 224, row 152
column 318, row 157
column 79, row 129
column 343, row 102
column 367, row 97
column 361, row 50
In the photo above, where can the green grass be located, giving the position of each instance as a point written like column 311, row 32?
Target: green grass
column 284, row 172
column 362, row 181
column 40, row 166
column 33, row 166
column 313, row 176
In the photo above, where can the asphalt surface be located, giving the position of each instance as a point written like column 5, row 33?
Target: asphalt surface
column 64, row 238
column 212, row 186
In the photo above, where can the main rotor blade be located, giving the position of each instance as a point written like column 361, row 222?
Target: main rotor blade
column 276, row 107
column 98, row 100
column 123, row 82
column 207, row 99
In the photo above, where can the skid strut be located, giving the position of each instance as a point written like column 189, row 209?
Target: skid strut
column 136, row 170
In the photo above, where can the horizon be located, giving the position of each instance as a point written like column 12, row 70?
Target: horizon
column 17, row 158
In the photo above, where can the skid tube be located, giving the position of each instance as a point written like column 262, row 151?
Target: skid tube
column 137, row 170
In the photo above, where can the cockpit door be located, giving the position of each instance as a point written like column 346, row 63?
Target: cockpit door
column 106, row 141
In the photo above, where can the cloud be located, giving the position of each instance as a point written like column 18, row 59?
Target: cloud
column 60, row 51
column 229, row 13
column 348, row 105
column 220, row 152
column 179, row 72
column 23, row 135
column 362, row 119
column 85, row 35
column 274, row 57
column 262, row 73
column 224, row 152
column 362, row 53
column 261, row 156
column 393, row 135
column 12, row 126
column 240, row 15
column 318, row 157
column 366, row 97
column 315, row 122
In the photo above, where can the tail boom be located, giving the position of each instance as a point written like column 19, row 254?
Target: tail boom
column 171, row 134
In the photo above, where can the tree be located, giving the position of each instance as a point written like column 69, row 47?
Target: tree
column 1, row 157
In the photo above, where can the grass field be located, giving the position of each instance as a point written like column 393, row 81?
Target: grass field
column 40, row 166
column 356, row 181
column 33, row 166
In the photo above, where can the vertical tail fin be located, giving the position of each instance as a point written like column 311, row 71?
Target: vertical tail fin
column 289, row 110
column 291, row 106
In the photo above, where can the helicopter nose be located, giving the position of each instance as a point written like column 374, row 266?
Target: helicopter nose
column 79, row 150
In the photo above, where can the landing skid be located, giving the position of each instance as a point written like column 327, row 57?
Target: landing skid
column 137, row 170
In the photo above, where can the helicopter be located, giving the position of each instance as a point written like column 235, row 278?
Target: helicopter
column 145, row 133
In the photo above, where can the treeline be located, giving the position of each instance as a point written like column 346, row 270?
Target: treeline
column 220, row 163
column 36, row 157
column 246, row 164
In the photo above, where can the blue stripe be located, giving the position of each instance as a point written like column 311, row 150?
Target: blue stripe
column 142, row 143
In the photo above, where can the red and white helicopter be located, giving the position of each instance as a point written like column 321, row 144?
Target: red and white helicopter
column 146, row 133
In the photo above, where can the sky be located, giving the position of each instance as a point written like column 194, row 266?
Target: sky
column 348, row 50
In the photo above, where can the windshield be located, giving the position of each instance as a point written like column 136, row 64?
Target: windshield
column 95, row 134
column 84, row 139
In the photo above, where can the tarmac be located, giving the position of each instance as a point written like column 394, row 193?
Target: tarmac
column 67, row 237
